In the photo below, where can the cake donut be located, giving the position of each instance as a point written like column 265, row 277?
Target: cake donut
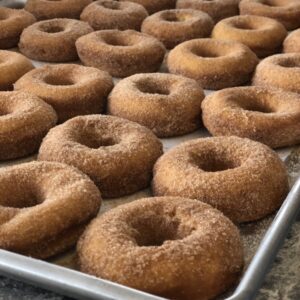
column 262, row 114
column 135, row 243
column 12, row 66
column 121, row 53
column 53, row 40
column 285, row 11
column 215, row 64
column 44, row 207
column 71, row 89
column 264, row 36
column 279, row 71
column 217, row 9
column 117, row 154
column 170, row 105
column 111, row 14
column 175, row 26
column 153, row 6
column 24, row 121
column 51, row 9
column 292, row 42
column 12, row 23
column 244, row 179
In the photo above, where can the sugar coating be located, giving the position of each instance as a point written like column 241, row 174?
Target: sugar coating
column 292, row 42
column 153, row 6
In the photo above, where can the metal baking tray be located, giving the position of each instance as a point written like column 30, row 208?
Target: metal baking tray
column 261, row 239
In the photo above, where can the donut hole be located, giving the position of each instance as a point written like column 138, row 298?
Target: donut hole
column 276, row 3
column 56, row 80
column 16, row 5
column 120, row 41
column 289, row 63
column 206, row 52
column 176, row 17
column 4, row 111
column 152, row 87
column 49, row 28
column 113, row 5
column 92, row 141
column 245, row 25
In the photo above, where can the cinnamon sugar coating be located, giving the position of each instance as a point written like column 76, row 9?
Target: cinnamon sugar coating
column 24, row 120
column 12, row 23
column 292, row 42
column 244, row 179
column 121, row 53
column 12, row 66
column 172, row 247
column 175, row 26
column 170, row 105
column 72, row 90
column 111, row 14
column 53, row 40
column 215, row 64
column 268, row 116
column 153, row 6
column 117, row 154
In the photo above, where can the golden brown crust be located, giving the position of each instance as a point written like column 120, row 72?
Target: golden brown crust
column 170, row 105
column 215, row 64
column 45, row 9
column 217, row 9
column 286, row 12
column 121, row 53
column 53, row 40
column 44, row 207
column 24, row 121
column 244, row 179
column 153, row 6
column 262, row 114
column 175, row 26
column 12, row 23
column 72, row 90
column 279, row 71
column 264, row 36
column 111, row 14
column 117, row 154
column 292, row 42
column 12, row 66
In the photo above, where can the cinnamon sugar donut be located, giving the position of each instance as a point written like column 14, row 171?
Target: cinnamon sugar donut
column 44, row 207
column 111, row 14
column 292, row 42
column 245, row 179
column 121, row 53
column 279, row 71
column 50, row 9
column 53, row 40
column 175, row 26
column 217, row 9
column 285, row 11
column 72, row 90
column 153, row 6
column 117, row 154
column 264, row 36
column 24, row 121
column 167, row 104
column 265, row 115
column 12, row 23
column 215, row 64
column 135, row 243
column 12, row 66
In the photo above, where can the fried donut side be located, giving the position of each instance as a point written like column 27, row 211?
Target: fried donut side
column 292, row 42
column 153, row 6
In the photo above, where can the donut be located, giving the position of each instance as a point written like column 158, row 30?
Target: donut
column 45, row 207
column 217, row 9
column 72, row 90
column 215, row 64
column 257, row 113
column 153, row 6
column 279, row 71
column 110, row 14
column 285, row 11
column 292, row 42
column 53, row 40
column 12, row 23
column 51, row 9
column 164, row 246
column 121, row 53
column 24, row 121
column 167, row 104
column 175, row 26
column 244, row 179
column 264, row 36
column 117, row 154
column 12, row 66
